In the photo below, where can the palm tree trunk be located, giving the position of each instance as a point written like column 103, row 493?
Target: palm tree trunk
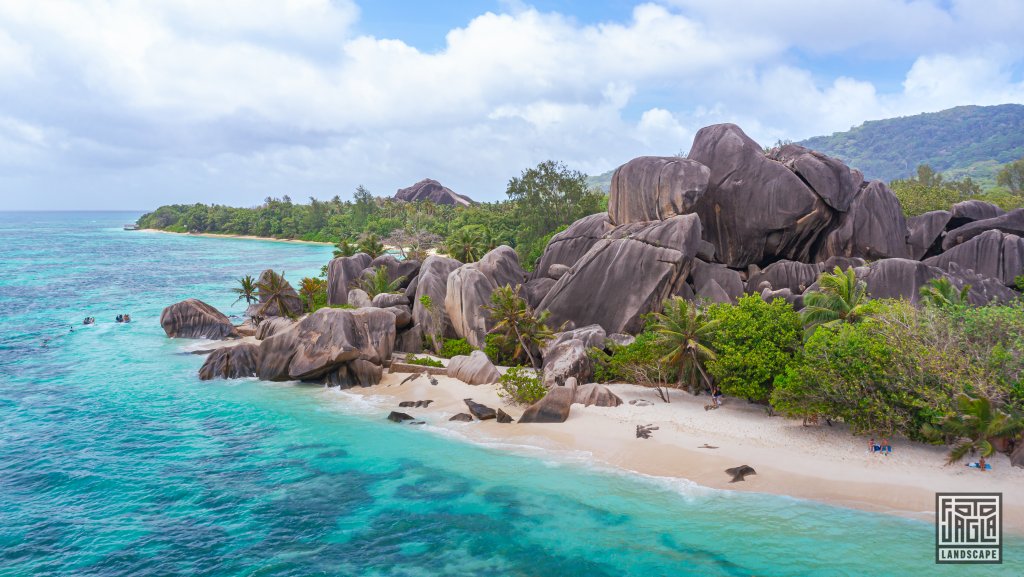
column 707, row 381
column 533, row 362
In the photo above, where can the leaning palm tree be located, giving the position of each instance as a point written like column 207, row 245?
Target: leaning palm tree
column 246, row 289
column 345, row 248
column 840, row 297
column 517, row 324
column 940, row 292
column 272, row 291
column 379, row 282
column 973, row 428
column 371, row 245
column 684, row 329
column 466, row 245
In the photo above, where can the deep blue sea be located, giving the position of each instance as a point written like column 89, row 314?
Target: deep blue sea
column 116, row 460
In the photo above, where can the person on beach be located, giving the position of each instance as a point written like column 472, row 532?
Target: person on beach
column 886, row 448
column 872, row 447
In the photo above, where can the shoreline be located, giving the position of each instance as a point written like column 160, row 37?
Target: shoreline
column 817, row 463
column 236, row 236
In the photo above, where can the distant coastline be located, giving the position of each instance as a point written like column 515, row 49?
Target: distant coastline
column 237, row 236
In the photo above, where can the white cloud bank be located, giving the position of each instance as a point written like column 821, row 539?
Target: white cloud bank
column 127, row 103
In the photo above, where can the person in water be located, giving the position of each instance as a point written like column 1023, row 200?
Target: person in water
column 127, row 318
column 120, row 318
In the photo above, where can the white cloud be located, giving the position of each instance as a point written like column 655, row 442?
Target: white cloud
column 281, row 93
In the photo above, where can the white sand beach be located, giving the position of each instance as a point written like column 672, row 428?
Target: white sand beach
column 823, row 463
column 240, row 236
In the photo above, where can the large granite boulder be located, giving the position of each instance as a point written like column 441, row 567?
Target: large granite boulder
column 553, row 408
column 712, row 292
column 903, row 278
column 431, row 190
column 626, row 275
column 785, row 274
column 828, row 177
column 433, row 282
column 568, row 359
column 593, row 394
column 655, row 188
column 992, row 254
column 1009, row 223
column 872, row 228
column 330, row 337
column 756, row 209
column 404, row 269
column 342, row 274
column 194, row 319
column 590, row 336
column 469, row 290
column 356, row 373
column 276, row 354
column 535, row 290
column 716, row 278
column 292, row 302
column 1017, row 456
column 926, row 232
column 410, row 340
column 474, row 369
column 385, row 300
column 403, row 315
column 231, row 362
column 557, row 271
column 972, row 210
column 270, row 327
column 794, row 299
column 359, row 299
column 569, row 246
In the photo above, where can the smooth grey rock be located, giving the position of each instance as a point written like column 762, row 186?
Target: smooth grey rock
column 504, row 417
column 571, row 244
column 475, row 369
column 626, row 275
column 464, row 417
column 727, row 280
column 330, row 337
column 431, row 190
column 535, row 290
column 1009, row 223
column 403, row 316
column 398, row 417
column 596, row 395
column 755, row 209
column 271, row 326
column 469, row 290
column 359, row 299
column 926, row 231
column 410, row 340
column 404, row 269
column 194, row 319
column 991, row 254
column 482, row 412
column 386, row 300
column 740, row 473
column 276, row 354
column 590, row 335
column 568, row 359
column 972, row 210
column 796, row 300
column 433, row 282
column 342, row 273
column 655, row 188
column 712, row 292
column 357, row 373
column 621, row 340
column 828, row 177
column 553, row 408
column 785, row 274
column 557, row 271
column 231, row 362
column 873, row 227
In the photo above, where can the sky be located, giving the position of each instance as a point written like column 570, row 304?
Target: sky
column 130, row 104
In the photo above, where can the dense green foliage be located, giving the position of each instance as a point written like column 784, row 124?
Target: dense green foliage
column 973, row 428
column 379, row 282
column 518, row 331
column 684, row 331
column 519, row 385
column 454, row 347
column 541, row 201
column 1012, row 176
column 840, row 298
column 423, row 361
column 638, row 362
column 929, row 190
column 754, row 341
column 965, row 137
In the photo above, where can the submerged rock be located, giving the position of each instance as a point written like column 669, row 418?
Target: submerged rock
column 464, row 417
column 194, row 319
column 398, row 417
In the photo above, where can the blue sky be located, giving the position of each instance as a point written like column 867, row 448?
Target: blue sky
column 126, row 104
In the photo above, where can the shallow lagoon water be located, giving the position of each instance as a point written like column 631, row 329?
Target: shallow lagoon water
column 116, row 460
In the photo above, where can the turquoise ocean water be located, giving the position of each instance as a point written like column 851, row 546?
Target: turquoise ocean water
column 116, row 460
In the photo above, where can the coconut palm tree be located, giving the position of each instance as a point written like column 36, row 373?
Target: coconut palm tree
column 246, row 290
column 466, row 244
column 516, row 322
column 840, row 297
column 273, row 290
column 685, row 330
column 310, row 288
column 371, row 245
column 973, row 428
column 379, row 282
column 345, row 248
column 940, row 292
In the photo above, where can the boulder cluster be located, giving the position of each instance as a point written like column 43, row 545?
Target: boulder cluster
column 731, row 219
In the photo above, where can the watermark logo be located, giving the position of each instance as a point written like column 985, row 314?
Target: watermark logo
column 968, row 528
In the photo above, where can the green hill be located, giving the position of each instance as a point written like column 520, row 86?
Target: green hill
column 963, row 141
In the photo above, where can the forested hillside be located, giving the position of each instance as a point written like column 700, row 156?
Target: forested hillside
column 963, row 141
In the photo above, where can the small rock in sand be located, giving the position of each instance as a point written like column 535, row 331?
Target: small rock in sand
column 641, row 402
column 482, row 412
column 504, row 417
column 740, row 473
column 399, row 417
column 464, row 417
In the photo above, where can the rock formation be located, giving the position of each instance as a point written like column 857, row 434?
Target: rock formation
column 231, row 362
column 593, row 394
column 553, row 408
column 292, row 302
column 469, row 289
column 434, row 191
column 474, row 369
column 655, row 188
column 433, row 282
column 194, row 319
column 342, row 274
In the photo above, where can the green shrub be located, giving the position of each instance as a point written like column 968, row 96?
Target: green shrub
column 631, row 363
column 454, row 347
column 521, row 386
column 754, row 341
column 423, row 361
